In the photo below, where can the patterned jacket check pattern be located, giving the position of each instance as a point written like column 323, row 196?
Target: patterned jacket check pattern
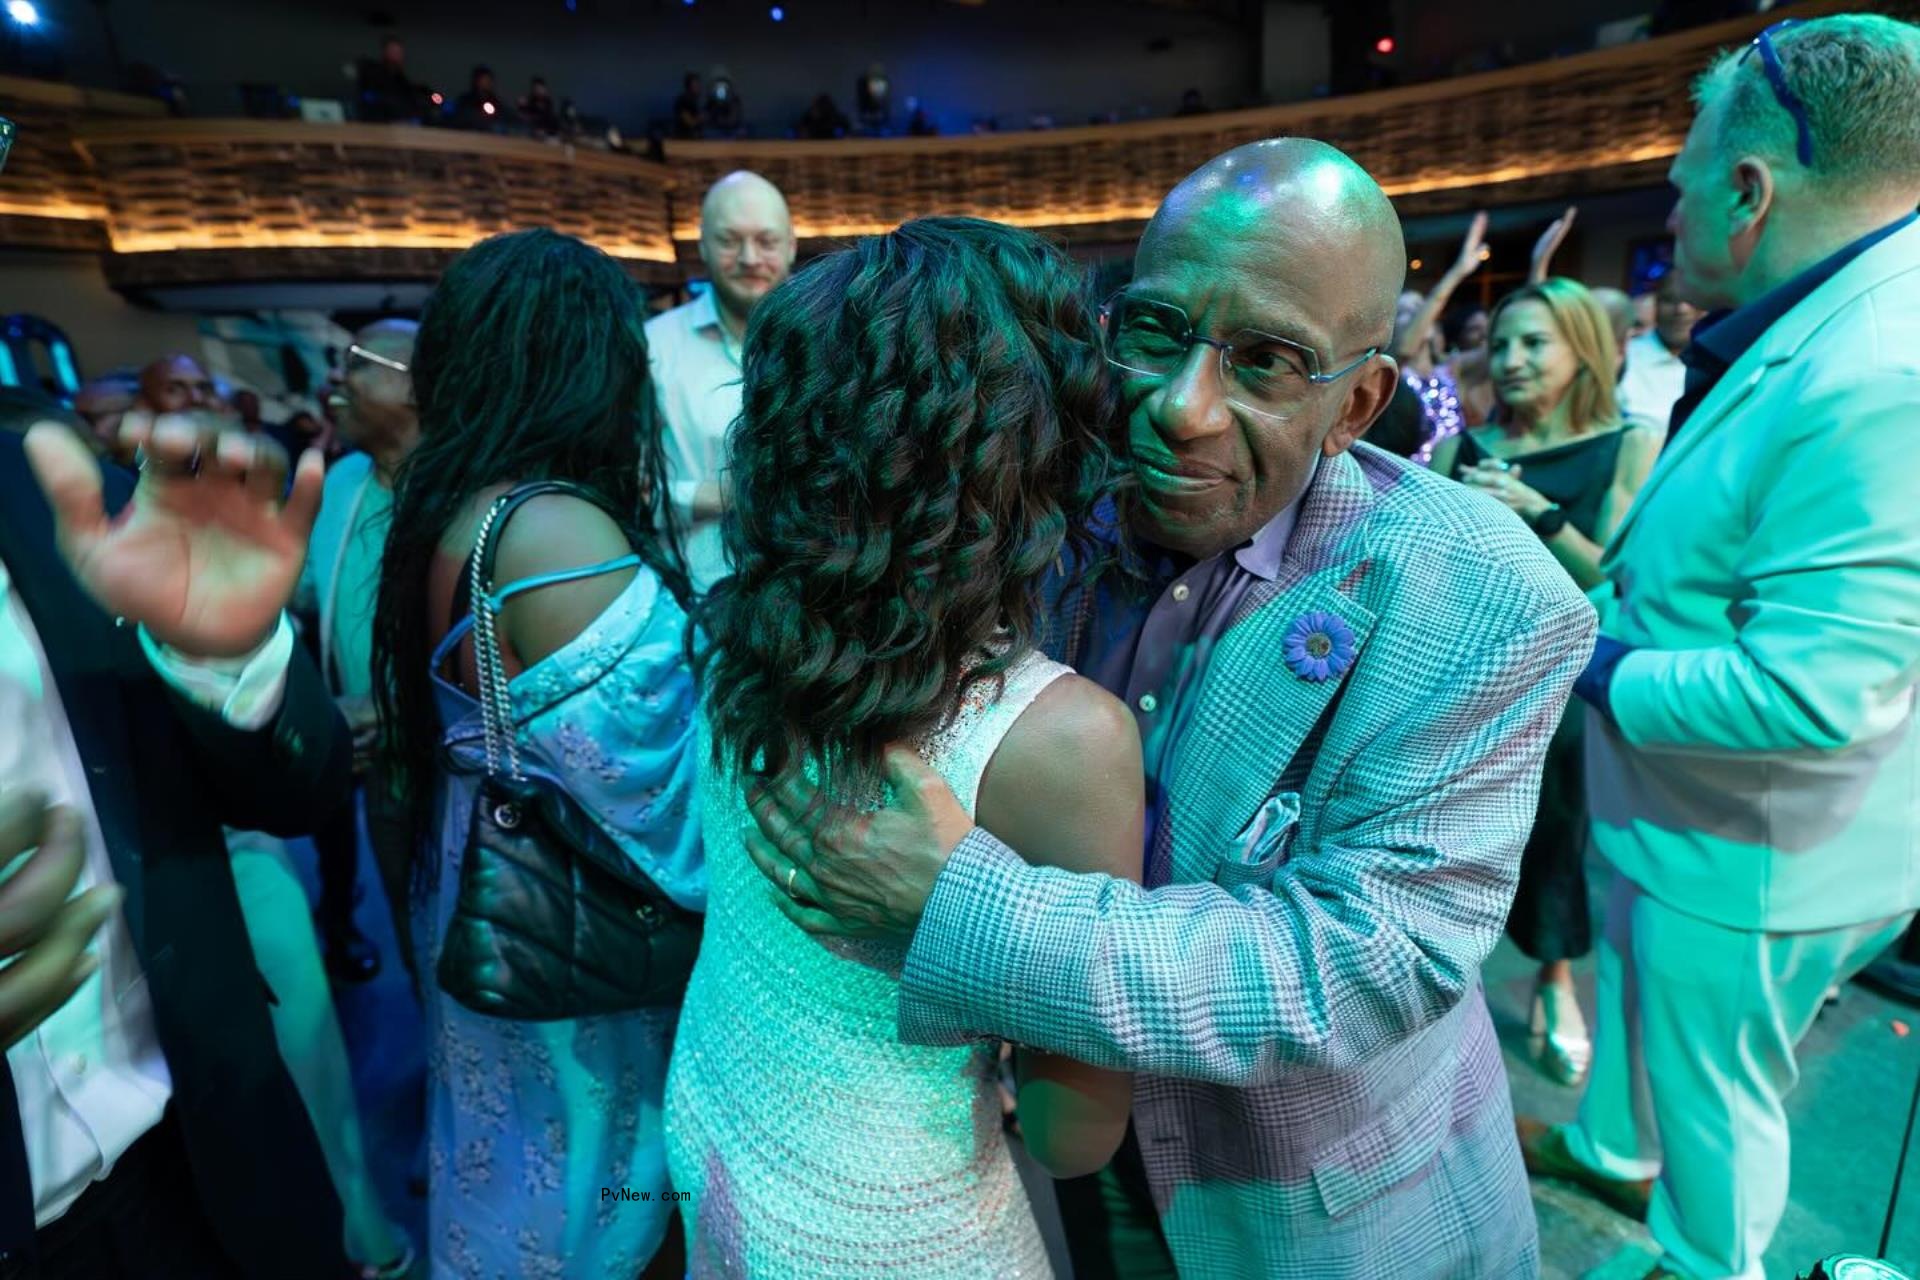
column 1320, row 1089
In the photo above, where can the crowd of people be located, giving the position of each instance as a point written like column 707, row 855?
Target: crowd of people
column 708, row 106
column 868, row 717
column 385, row 94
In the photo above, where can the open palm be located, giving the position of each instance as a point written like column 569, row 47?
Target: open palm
column 204, row 560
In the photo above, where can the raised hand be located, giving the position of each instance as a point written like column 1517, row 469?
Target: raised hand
column 207, row 553
column 1549, row 244
column 1471, row 247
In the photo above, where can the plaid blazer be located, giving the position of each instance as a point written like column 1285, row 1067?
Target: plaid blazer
column 1319, row 1090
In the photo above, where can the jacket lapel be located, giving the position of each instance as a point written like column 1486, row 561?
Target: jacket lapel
column 86, row 655
column 1252, row 711
column 1732, row 391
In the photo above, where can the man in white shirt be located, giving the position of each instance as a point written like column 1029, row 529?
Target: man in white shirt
column 747, row 244
column 1655, row 377
column 149, row 688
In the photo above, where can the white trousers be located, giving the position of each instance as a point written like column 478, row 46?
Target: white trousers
column 1693, row 1058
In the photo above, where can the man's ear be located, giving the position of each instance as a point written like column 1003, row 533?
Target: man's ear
column 1752, row 195
column 1372, row 388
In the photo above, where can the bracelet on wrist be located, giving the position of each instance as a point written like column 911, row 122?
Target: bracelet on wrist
column 1548, row 522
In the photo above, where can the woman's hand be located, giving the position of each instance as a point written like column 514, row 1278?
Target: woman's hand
column 1502, row 482
column 1541, row 263
column 1472, row 247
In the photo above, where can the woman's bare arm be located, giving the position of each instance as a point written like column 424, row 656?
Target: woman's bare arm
column 1066, row 790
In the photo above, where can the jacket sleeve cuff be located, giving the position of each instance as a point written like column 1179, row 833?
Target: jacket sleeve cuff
column 1635, row 702
column 958, row 919
column 244, row 691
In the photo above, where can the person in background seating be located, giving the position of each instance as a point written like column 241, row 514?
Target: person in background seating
column 480, row 107
column 538, row 110
column 385, row 93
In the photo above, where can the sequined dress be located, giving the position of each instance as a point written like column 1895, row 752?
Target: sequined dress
column 813, row 1142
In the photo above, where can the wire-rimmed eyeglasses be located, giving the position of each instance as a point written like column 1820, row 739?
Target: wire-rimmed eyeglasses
column 1260, row 372
column 358, row 352
column 1782, row 92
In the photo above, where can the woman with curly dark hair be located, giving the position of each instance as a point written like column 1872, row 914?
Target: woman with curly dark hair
column 927, row 430
column 531, row 365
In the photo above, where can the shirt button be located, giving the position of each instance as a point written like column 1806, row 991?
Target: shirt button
column 79, row 1064
column 1181, row 592
column 1148, row 702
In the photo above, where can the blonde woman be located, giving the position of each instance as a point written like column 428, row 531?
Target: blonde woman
column 1560, row 455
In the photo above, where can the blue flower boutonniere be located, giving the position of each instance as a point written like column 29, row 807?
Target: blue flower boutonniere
column 1319, row 646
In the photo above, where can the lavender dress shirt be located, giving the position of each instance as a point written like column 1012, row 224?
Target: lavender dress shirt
column 1146, row 636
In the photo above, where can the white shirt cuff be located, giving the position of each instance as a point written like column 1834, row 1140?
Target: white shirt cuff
column 246, row 690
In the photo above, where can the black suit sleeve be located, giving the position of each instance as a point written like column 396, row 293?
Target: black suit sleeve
column 286, row 777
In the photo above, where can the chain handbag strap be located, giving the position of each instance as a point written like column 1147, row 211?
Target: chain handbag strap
column 496, row 711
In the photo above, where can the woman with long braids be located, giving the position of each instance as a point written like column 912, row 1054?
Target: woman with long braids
column 531, row 365
column 926, row 432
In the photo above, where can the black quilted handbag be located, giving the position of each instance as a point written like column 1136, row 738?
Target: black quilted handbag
column 552, row 919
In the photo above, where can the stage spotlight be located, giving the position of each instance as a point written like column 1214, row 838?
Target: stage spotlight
column 487, row 107
column 23, row 12
column 1384, row 45
column 1415, row 265
column 777, row 14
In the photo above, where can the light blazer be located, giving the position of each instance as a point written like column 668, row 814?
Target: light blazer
column 1765, row 772
column 1320, row 1089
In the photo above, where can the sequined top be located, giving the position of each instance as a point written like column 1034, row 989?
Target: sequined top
column 1440, row 405
column 813, row 1142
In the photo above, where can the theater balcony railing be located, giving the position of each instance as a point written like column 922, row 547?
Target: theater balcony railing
column 190, row 201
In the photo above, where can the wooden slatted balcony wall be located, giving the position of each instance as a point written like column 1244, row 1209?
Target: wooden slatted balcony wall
column 1600, row 121
column 180, row 201
column 49, row 195
column 257, row 184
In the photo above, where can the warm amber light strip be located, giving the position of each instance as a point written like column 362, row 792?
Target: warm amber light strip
column 64, row 209
column 1050, row 217
column 161, row 242
column 165, row 242
column 1520, row 173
